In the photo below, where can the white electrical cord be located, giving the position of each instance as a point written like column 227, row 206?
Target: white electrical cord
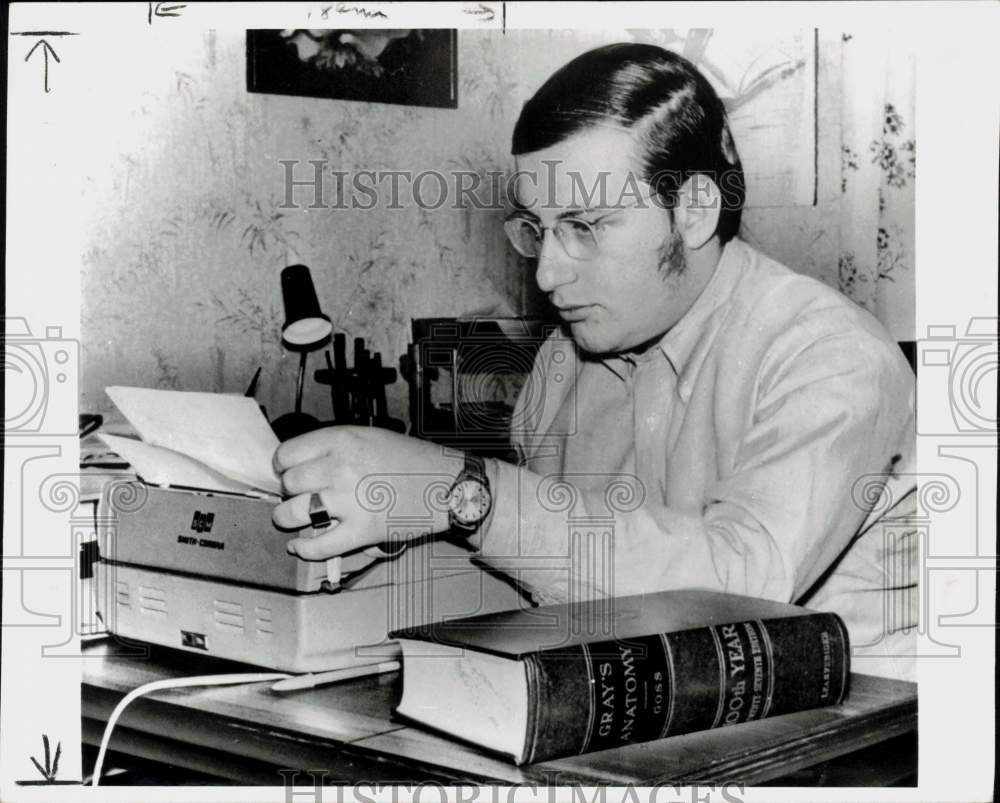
column 175, row 683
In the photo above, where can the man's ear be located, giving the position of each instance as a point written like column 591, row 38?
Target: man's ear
column 696, row 215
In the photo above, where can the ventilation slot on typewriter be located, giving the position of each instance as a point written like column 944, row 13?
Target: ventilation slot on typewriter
column 264, row 622
column 228, row 615
column 122, row 596
column 152, row 600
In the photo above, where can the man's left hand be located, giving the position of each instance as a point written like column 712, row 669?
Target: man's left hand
column 363, row 476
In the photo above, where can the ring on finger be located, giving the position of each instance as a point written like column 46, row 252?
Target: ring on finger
column 319, row 517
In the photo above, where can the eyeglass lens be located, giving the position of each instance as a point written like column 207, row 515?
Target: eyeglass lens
column 575, row 236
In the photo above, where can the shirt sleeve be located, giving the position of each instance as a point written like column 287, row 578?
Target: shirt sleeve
column 826, row 415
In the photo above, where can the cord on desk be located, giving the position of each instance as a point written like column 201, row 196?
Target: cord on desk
column 175, row 683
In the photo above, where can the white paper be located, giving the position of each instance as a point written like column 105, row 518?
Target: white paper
column 227, row 433
column 158, row 466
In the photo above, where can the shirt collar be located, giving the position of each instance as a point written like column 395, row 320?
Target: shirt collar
column 679, row 344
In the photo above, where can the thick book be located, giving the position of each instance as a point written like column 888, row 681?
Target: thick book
column 560, row 680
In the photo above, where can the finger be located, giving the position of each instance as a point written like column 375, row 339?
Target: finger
column 312, row 475
column 307, row 447
column 336, row 540
column 293, row 513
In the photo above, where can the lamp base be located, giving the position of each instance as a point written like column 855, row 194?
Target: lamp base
column 290, row 425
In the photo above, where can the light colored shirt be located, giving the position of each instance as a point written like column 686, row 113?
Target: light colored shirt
column 765, row 446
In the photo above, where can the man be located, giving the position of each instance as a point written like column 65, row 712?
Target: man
column 715, row 419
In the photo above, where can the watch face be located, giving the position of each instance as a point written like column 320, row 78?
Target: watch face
column 469, row 501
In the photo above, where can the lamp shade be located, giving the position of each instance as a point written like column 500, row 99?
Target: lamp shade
column 305, row 324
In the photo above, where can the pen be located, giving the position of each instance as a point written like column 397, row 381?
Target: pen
column 89, row 422
column 333, row 384
column 342, row 399
column 312, row 679
column 252, row 387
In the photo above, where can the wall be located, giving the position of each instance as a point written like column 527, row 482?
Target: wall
column 186, row 238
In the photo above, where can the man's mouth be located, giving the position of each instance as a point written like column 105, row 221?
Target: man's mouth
column 575, row 313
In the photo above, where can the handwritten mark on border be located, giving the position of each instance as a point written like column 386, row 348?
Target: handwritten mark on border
column 47, row 49
column 51, row 768
column 164, row 10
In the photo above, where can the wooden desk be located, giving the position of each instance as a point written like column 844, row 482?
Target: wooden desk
column 246, row 734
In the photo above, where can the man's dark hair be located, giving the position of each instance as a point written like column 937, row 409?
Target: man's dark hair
column 677, row 118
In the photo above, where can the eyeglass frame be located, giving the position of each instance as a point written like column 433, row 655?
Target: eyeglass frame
column 591, row 225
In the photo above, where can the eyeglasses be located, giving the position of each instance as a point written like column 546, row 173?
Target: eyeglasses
column 578, row 237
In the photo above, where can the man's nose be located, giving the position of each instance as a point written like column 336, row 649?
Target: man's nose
column 555, row 268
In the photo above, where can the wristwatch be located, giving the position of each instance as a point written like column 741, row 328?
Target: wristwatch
column 470, row 500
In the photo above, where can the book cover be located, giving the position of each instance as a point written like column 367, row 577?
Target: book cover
column 568, row 679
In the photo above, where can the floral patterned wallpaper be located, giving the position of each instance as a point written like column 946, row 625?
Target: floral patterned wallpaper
column 895, row 157
column 188, row 236
column 878, row 170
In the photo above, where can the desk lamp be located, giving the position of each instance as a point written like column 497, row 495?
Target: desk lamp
column 306, row 328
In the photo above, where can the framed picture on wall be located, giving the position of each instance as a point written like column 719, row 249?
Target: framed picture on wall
column 408, row 66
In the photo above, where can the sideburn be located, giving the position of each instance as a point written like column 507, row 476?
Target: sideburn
column 671, row 254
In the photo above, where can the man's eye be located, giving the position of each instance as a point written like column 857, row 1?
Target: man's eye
column 608, row 220
column 528, row 226
column 576, row 227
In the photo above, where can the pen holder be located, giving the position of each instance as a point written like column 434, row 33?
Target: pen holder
column 358, row 393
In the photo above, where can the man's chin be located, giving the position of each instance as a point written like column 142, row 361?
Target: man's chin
column 592, row 339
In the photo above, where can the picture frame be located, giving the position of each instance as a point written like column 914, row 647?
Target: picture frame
column 413, row 67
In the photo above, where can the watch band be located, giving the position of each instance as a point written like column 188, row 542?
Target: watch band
column 475, row 469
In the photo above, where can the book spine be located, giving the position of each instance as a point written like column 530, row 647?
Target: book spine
column 606, row 694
